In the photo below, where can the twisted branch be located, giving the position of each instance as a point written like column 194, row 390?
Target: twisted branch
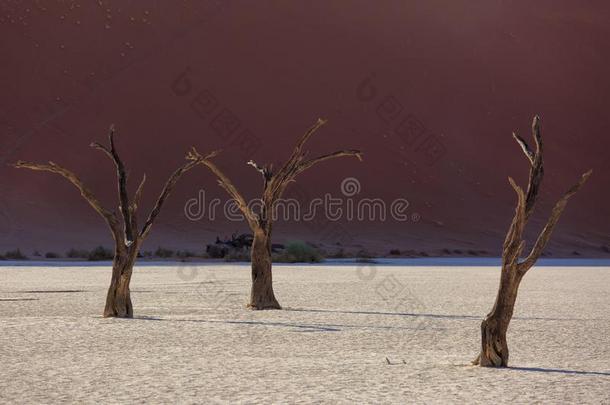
column 109, row 216
column 226, row 184
column 307, row 164
column 274, row 183
column 296, row 164
column 129, row 234
column 192, row 161
column 513, row 244
column 545, row 235
column 297, row 154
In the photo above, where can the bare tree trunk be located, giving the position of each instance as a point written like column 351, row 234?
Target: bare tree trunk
column 494, row 348
column 118, row 300
column 128, row 240
column 274, row 184
column 261, row 296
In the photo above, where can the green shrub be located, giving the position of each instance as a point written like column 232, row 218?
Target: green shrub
column 15, row 255
column 299, row 252
column 100, row 253
column 52, row 255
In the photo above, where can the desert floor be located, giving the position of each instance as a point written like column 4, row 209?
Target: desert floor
column 347, row 333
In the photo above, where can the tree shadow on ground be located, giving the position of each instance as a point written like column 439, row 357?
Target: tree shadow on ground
column 557, row 370
column 50, row 291
column 303, row 327
column 424, row 315
column 18, row 299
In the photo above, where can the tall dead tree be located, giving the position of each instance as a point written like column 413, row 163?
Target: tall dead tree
column 274, row 184
column 494, row 348
column 124, row 226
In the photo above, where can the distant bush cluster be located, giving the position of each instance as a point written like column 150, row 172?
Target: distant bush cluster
column 237, row 249
column 13, row 255
column 299, row 252
column 101, row 253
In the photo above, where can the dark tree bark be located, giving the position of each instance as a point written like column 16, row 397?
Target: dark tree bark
column 124, row 228
column 118, row 299
column 261, row 295
column 274, row 184
column 494, row 347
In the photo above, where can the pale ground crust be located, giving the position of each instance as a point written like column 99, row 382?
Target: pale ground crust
column 194, row 342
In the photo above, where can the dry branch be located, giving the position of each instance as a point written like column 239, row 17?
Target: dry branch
column 494, row 347
column 108, row 215
column 127, row 240
column 274, row 184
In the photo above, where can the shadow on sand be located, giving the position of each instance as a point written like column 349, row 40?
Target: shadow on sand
column 337, row 328
column 303, row 327
column 557, row 370
column 437, row 316
column 18, row 299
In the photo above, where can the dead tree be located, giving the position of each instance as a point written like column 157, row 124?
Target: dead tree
column 124, row 226
column 494, row 348
column 274, row 184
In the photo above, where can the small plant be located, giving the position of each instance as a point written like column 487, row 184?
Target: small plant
column 394, row 252
column 100, row 253
column 364, row 254
column 77, row 254
column 52, row 255
column 164, row 253
column 339, row 254
column 15, row 255
column 238, row 255
column 185, row 254
column 299, row 252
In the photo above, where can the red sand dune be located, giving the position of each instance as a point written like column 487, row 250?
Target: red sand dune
column 429, row 90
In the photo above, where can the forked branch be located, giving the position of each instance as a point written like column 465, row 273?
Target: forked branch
column 225, row 183
column 296, row 164
column 192, row 161
column 129, row 234
column 545, row 235
column 124, row 204
column 537, row 166
column 274, row 183
column 297, row 154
